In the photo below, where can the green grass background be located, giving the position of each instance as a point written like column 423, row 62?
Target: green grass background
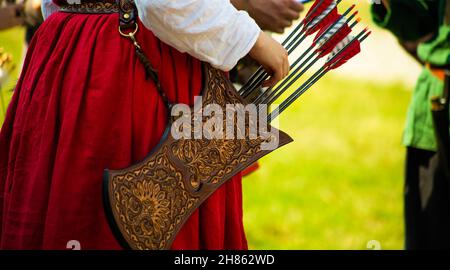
column 339, row 185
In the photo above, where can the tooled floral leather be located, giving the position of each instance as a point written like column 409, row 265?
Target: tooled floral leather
column 149, row 202
column 126, row 8
column 89, row 7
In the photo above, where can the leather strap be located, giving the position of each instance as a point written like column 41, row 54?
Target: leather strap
column 127, row 13
column 90, row 7
column 128, row 17
column 128, row 28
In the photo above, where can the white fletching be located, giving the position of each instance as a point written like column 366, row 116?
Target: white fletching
column 319, row 18
column 330, row 32
column 341, row 45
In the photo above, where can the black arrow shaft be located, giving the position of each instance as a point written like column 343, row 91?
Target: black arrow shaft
column 250, row 84
column 255, row 84
column 286, row 83
column 311, row 81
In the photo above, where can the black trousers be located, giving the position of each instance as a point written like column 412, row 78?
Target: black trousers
column 427, row 202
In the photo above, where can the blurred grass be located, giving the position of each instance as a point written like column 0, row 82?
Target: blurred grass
column 339, row 184
column 12, row 41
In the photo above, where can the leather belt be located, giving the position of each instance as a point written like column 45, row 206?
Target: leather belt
column 90, row 6
column 126, row 9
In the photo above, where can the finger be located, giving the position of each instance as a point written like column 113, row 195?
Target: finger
column 298, row 7
column 285, row 70
column 288, row 68
column 272, row 81
column 278, row 29
column 282, row 70
column 278, row 75
column 286, row 23
column 282, row 25
column 291, row 15
column 268, row 83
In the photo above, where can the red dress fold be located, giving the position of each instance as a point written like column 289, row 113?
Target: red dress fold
column 81, row 105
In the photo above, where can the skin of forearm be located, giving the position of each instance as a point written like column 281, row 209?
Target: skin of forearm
column 240, row 4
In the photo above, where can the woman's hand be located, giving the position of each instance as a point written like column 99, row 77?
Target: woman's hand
column 272, row 56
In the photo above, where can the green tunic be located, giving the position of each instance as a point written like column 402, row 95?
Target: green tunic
column 410, row 20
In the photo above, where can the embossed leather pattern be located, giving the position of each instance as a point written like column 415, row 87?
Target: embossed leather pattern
column 148, row 203
column 126, row 8
column 89, row 7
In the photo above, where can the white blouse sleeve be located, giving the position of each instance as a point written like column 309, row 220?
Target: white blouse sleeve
column 210, row 30
column 48, row 8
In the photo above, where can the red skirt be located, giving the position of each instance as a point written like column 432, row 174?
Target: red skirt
column 81, row 105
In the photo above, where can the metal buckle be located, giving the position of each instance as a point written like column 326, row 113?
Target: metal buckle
column 131, row 35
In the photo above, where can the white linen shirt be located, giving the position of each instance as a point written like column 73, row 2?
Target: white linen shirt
column 210, row 30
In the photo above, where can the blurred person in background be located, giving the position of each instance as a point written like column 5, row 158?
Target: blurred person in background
column 423, row 29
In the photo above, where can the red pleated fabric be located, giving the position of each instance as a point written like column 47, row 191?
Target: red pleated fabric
column 81, row 105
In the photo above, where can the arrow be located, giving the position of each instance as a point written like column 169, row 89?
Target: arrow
column 318, row 8
column 326, row 41
column 346, row 50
